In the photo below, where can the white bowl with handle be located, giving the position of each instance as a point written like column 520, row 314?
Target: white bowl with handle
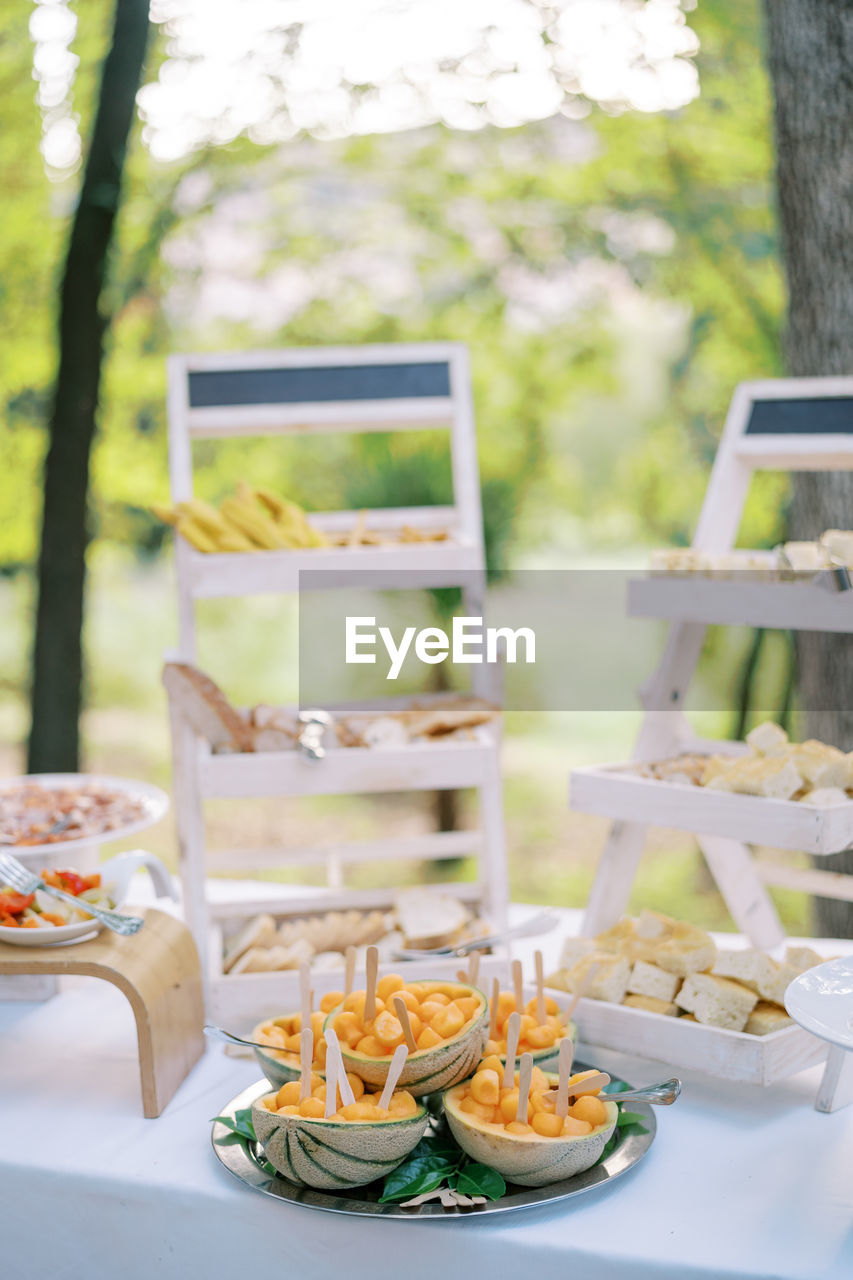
column 116, row 875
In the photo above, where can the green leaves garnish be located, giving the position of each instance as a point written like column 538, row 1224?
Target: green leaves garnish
column 435, row 1162
column 242, row 1131
column 241, row 1126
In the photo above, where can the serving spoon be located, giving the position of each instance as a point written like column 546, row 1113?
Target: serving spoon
column 659, row 1095
column 219, row 1033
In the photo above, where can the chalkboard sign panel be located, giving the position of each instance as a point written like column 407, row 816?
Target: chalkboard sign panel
column 821, row 416
column 221, row 387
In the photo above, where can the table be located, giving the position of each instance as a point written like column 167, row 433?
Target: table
column 741, row 1182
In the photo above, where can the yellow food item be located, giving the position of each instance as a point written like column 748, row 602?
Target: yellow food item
column 534, row 1037
column 388, row 986
column 448, row 1022
column 486, row 1087
column 475, row 1108
column 330, row 1001
column 402, row 1103
column 288, row 1094
column 518, row 1126
column 358, row 1111
column 589, row 1108
column 428, row 1039
column 574, row 1128
column 388, row 1030
column 195, row 534
column 434, row 1011
column 547, row 1124
column 312, row 1106
column 371, row 1047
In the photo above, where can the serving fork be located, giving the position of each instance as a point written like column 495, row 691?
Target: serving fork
column 23, row 880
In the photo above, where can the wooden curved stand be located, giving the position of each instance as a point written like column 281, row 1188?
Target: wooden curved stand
column 158, row 970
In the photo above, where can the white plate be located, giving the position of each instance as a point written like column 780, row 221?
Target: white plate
column 116, row 875
column 154, row 801
column 821, row 1000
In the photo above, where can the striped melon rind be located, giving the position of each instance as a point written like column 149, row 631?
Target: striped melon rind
column 428, row 1070
column 335, row 1154
column 278, row 1072
column 528, row 1160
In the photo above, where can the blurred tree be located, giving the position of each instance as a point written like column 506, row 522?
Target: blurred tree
column 811, row 61
column 84, row 321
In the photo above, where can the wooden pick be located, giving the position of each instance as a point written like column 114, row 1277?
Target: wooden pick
column 567, row 1050
column 403, row 1017
column 395, row 1070
column 306, row 1058
column 305, row 994
column 541, row 1011
column 513, row 1030
column 590, row 1085
column 518, row 986
column 525, row 1071
column 583, row 986
column 349, row 970
column 331, row 1081
column 333, row 1047
column 473, row 968
column 493, row 1023
column 370, row 989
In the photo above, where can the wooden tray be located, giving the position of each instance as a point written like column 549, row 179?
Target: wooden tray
column 728, row 1055
column 617, row 791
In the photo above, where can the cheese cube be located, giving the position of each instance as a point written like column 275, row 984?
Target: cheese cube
column 651, row 1005
column 766, row 1018
column 767, row 739
column 651, row 980
column 747, row 966
column 717, row 1002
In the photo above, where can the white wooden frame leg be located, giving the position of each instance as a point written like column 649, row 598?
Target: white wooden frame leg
column 614, row 877
column 496, row 887
column 749, row 903
column 836, row 1086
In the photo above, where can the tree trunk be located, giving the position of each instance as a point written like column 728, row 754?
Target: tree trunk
column 811, row 64
column 83, row 323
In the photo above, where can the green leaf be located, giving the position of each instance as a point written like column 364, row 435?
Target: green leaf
column 617, row 1086
column 241, row 1124
column 476, row 1179
column 631, row 1118
column 427, row 1179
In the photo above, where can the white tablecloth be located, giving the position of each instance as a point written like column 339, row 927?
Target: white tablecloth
column 740, row 1182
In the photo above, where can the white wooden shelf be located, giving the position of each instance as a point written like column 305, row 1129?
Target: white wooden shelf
column 747, row 601
column 453, row 764
column 413, row 565
column 616, row 791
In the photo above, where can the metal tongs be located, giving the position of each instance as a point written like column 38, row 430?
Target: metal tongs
column 541, row 923
column 310, row 740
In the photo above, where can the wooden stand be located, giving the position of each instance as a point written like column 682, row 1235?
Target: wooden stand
column 158, row 970
column 401, row 387
column 803, row 424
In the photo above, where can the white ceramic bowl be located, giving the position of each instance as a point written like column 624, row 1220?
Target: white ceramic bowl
column 116, row 875
column 821, row 1001
column 153, row 800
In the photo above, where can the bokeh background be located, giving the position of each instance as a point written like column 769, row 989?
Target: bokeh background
column 583, row 193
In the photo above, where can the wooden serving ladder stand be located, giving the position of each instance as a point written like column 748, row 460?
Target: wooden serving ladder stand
column 785, row 424
column 158, row 970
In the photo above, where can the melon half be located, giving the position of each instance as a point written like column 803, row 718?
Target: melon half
column 334, row 1154
column 428, row 1070
column 529, row 1160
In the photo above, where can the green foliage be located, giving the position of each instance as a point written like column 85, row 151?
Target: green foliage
column 613, row 279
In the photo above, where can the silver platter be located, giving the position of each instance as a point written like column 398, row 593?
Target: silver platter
column 244, row 1163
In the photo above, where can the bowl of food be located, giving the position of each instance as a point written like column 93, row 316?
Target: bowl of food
column 39, row 919
column 359, row 1142
column 445, row 1025
column 530, row 1145
column 43, row 815
column 280, row 1062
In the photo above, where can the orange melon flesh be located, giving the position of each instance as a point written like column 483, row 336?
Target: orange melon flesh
column 439, row 1012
